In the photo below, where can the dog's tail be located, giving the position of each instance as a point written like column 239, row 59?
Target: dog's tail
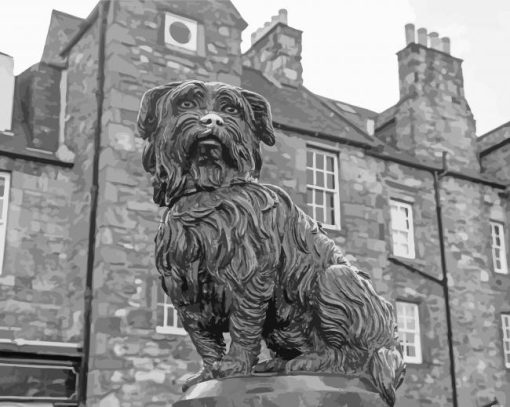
column 386, row 369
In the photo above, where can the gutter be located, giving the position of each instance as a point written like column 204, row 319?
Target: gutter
column 43, row 160
column 430, row 168
column 88, row 297
column 325, row 136
column 494, row 147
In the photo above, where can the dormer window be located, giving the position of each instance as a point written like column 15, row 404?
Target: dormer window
column 181, row 32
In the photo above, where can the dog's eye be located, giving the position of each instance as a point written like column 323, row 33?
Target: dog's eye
column 230, row 109
column 187, row 104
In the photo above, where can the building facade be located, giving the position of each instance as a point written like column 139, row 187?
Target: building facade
column 411, row 195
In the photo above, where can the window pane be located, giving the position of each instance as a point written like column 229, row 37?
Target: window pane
column 2, row 186
column 319, row 214
column 330, row 217
column 319, row 161
column 411, row 351
column 1, row 208
column 170, row 317
column 329, row 164
column 319, row 179
column 331, row 181
column 319, row 197
column 309, row 177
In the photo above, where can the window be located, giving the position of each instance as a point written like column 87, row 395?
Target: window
column 402, row 232
column 5, row 179
column 168, row 322
column 181, row 32
column 322, row 196
column 505, row 326
column 499, row 248
column 409, row 331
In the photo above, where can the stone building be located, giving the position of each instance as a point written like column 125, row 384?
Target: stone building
column 411, row 193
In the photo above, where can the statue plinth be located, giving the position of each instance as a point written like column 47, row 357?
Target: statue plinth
column 283, row 391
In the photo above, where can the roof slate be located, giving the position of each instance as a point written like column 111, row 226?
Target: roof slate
column 300, row 108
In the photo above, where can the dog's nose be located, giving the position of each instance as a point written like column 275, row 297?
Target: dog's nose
column 212, row 119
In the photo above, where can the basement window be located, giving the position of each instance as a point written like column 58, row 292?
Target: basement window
column 408, row 319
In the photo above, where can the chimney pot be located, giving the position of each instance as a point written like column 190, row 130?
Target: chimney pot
column 410, row 34
column 282, row 13
column 435, row 43
column 422, row 36
column 445, row 44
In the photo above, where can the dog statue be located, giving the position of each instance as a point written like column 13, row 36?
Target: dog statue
column 239, row 256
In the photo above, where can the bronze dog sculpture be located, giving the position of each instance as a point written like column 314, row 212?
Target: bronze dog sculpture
column 239, row 256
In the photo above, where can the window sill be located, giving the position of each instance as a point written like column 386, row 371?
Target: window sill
column 170, row 330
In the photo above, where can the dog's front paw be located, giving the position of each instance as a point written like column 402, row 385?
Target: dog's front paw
column 204, row 374
column 238, row 362
column 229, row 367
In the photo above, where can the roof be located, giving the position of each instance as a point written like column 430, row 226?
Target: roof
column 354, row 114
column 62, row 28
column 300, row 109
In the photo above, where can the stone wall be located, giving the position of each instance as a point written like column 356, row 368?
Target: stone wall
column 41, row 293
column 497, row 162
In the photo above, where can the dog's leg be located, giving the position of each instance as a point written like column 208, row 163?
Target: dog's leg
column 209, row 344
column 246, row 322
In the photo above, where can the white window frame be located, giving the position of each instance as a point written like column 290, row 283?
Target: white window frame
column 499, row 227
column 407, row 309
column 314, row 187
column 162, row 326
column 395, row 228
column 3, row 216
column 505, row 326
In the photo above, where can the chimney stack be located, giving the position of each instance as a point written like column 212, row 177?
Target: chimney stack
column 276, row 52
column 7, row 91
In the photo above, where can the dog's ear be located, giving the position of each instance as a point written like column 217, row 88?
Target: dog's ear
column 150, row 111
column 262, row 116
column 149, row 116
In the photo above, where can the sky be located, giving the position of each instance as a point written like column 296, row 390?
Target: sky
column 349, row 46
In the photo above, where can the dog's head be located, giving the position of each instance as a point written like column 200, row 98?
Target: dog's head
column 201, row 135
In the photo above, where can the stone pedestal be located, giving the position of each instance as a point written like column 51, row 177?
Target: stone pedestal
column 283, row 391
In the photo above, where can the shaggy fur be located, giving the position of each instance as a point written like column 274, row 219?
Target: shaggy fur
column 239, row 256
